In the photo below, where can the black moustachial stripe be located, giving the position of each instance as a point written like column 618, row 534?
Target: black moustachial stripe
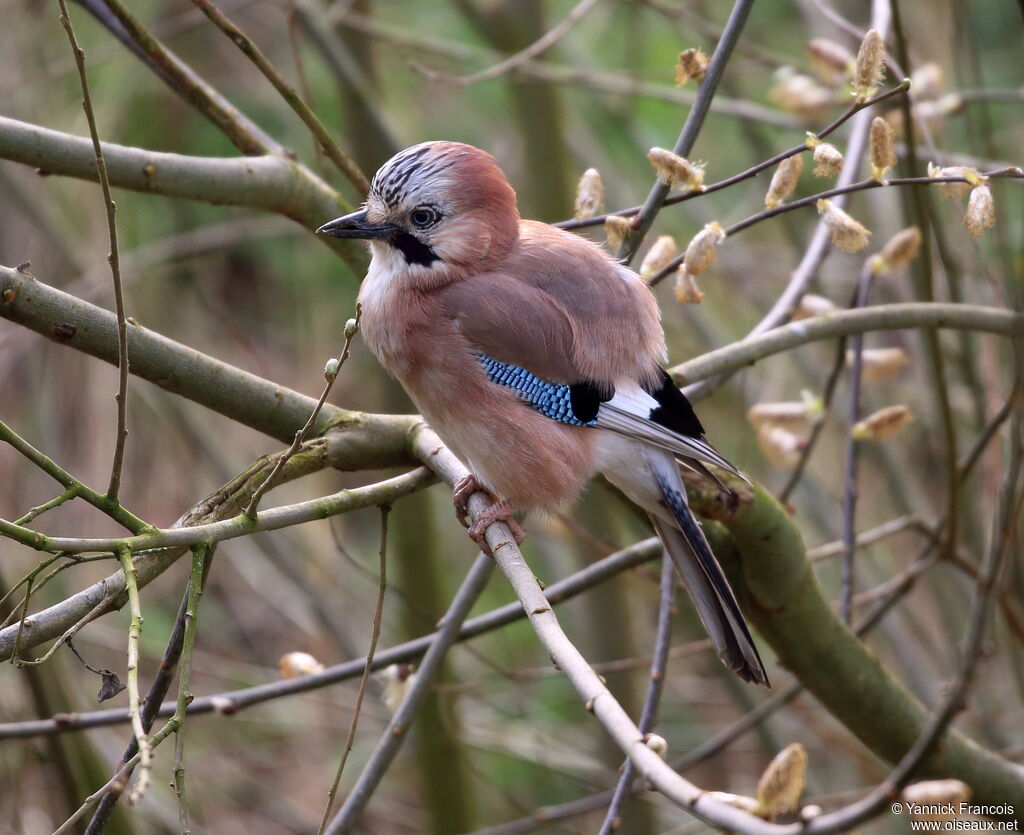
column 674, row 410
column 414, row 250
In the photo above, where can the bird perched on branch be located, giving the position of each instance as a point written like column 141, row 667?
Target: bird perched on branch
column 535, row 357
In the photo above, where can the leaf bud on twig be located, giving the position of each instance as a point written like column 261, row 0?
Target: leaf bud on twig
column 898, row 252
column 783, row 781
column 828, row 160
column 869, row 66
column 703, row 249
column 675, row 170
column 847, row 234
column 882, row 424
column 692, row 65
column 589, row 194
column 881, row 148
column 661, row 252
column 617, row 229
column 686, row 289
column 981, row 211
column 830, row 60
column 812, row 305
column 784, row 181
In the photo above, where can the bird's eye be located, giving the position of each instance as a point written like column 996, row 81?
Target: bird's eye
column 424, row 217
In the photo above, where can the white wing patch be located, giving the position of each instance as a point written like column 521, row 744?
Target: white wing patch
column 629, row 414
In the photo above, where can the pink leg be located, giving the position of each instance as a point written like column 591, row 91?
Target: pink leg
column 497, row 512
column 464, row 488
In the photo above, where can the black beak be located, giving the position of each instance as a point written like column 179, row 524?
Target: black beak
column 354, row 225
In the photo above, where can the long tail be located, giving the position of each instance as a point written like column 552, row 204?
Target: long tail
column 705, row 581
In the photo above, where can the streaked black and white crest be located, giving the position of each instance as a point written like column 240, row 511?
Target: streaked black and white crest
column 401, row 175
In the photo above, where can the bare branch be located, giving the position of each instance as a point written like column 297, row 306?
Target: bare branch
column 334, row 151
column 545, row 42
column 113, row 258
column 398, row 728
column 694, row 121
column 374, row 635
column 846, row 322
column 270, row 182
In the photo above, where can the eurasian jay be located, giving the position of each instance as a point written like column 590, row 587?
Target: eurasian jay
column 535, row 356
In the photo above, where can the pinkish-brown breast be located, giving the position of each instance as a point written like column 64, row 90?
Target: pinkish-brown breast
column 519, row 454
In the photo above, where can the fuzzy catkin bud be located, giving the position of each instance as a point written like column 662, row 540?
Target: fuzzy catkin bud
column 881, row 149
column 589, row 194
column 882, row 424
column 846, row 233
column 869, row 66
column 828, row 160
column 676, row 170
column 812, row 305
column 692, row 65
column 970, row 175
column 936, row 800
column 898, row 252
column 658, row 256
column 783, row 781
column 784, row 181
column 981, row 211
column 617, row 229
column 791, row 414
column 703, row 249
column 331, row 369
column 800, row 94
column 780, row 446
column 295, row 664
column 397, row 678
column 934, row 111
column 686, row 289
column 658, row 744
column 830, row 60
column 880, row 363
column 927, row 81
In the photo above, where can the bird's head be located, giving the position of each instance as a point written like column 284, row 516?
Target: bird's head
column 436, row 207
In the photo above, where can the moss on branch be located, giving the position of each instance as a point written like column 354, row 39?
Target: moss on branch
column 763, row 553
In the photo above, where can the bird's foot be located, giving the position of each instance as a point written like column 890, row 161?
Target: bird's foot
column 497, row 512
column 464, row 488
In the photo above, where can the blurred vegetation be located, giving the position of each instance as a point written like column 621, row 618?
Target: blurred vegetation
column 503, row 733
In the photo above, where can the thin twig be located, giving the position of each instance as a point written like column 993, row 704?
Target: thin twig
column 330, row 374
column 124, row 556
column 113, row 784
column 846, row 582
column 378, row 612
column 334, row 151
column 275, row 518
column 648, row 714
column 39, row 510
column 154, row 697
column 517, row 59
column 193, row 595
column 243, row 133
column 754, row 170
column 398, row 728
column 691, row 127
column 405, row 653
column 591, row 77
column 847, row 322
column 920, row 208
column 819, row 425
column 803, row 202
column 1002, row 537
column 709, row 747
column 98, row 500
column 112, row 258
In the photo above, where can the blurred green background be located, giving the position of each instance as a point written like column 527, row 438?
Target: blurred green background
column 503, row 734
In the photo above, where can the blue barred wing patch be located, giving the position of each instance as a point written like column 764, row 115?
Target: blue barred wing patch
column 550, row 399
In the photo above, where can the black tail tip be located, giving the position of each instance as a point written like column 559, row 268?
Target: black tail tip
column 752, row 674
